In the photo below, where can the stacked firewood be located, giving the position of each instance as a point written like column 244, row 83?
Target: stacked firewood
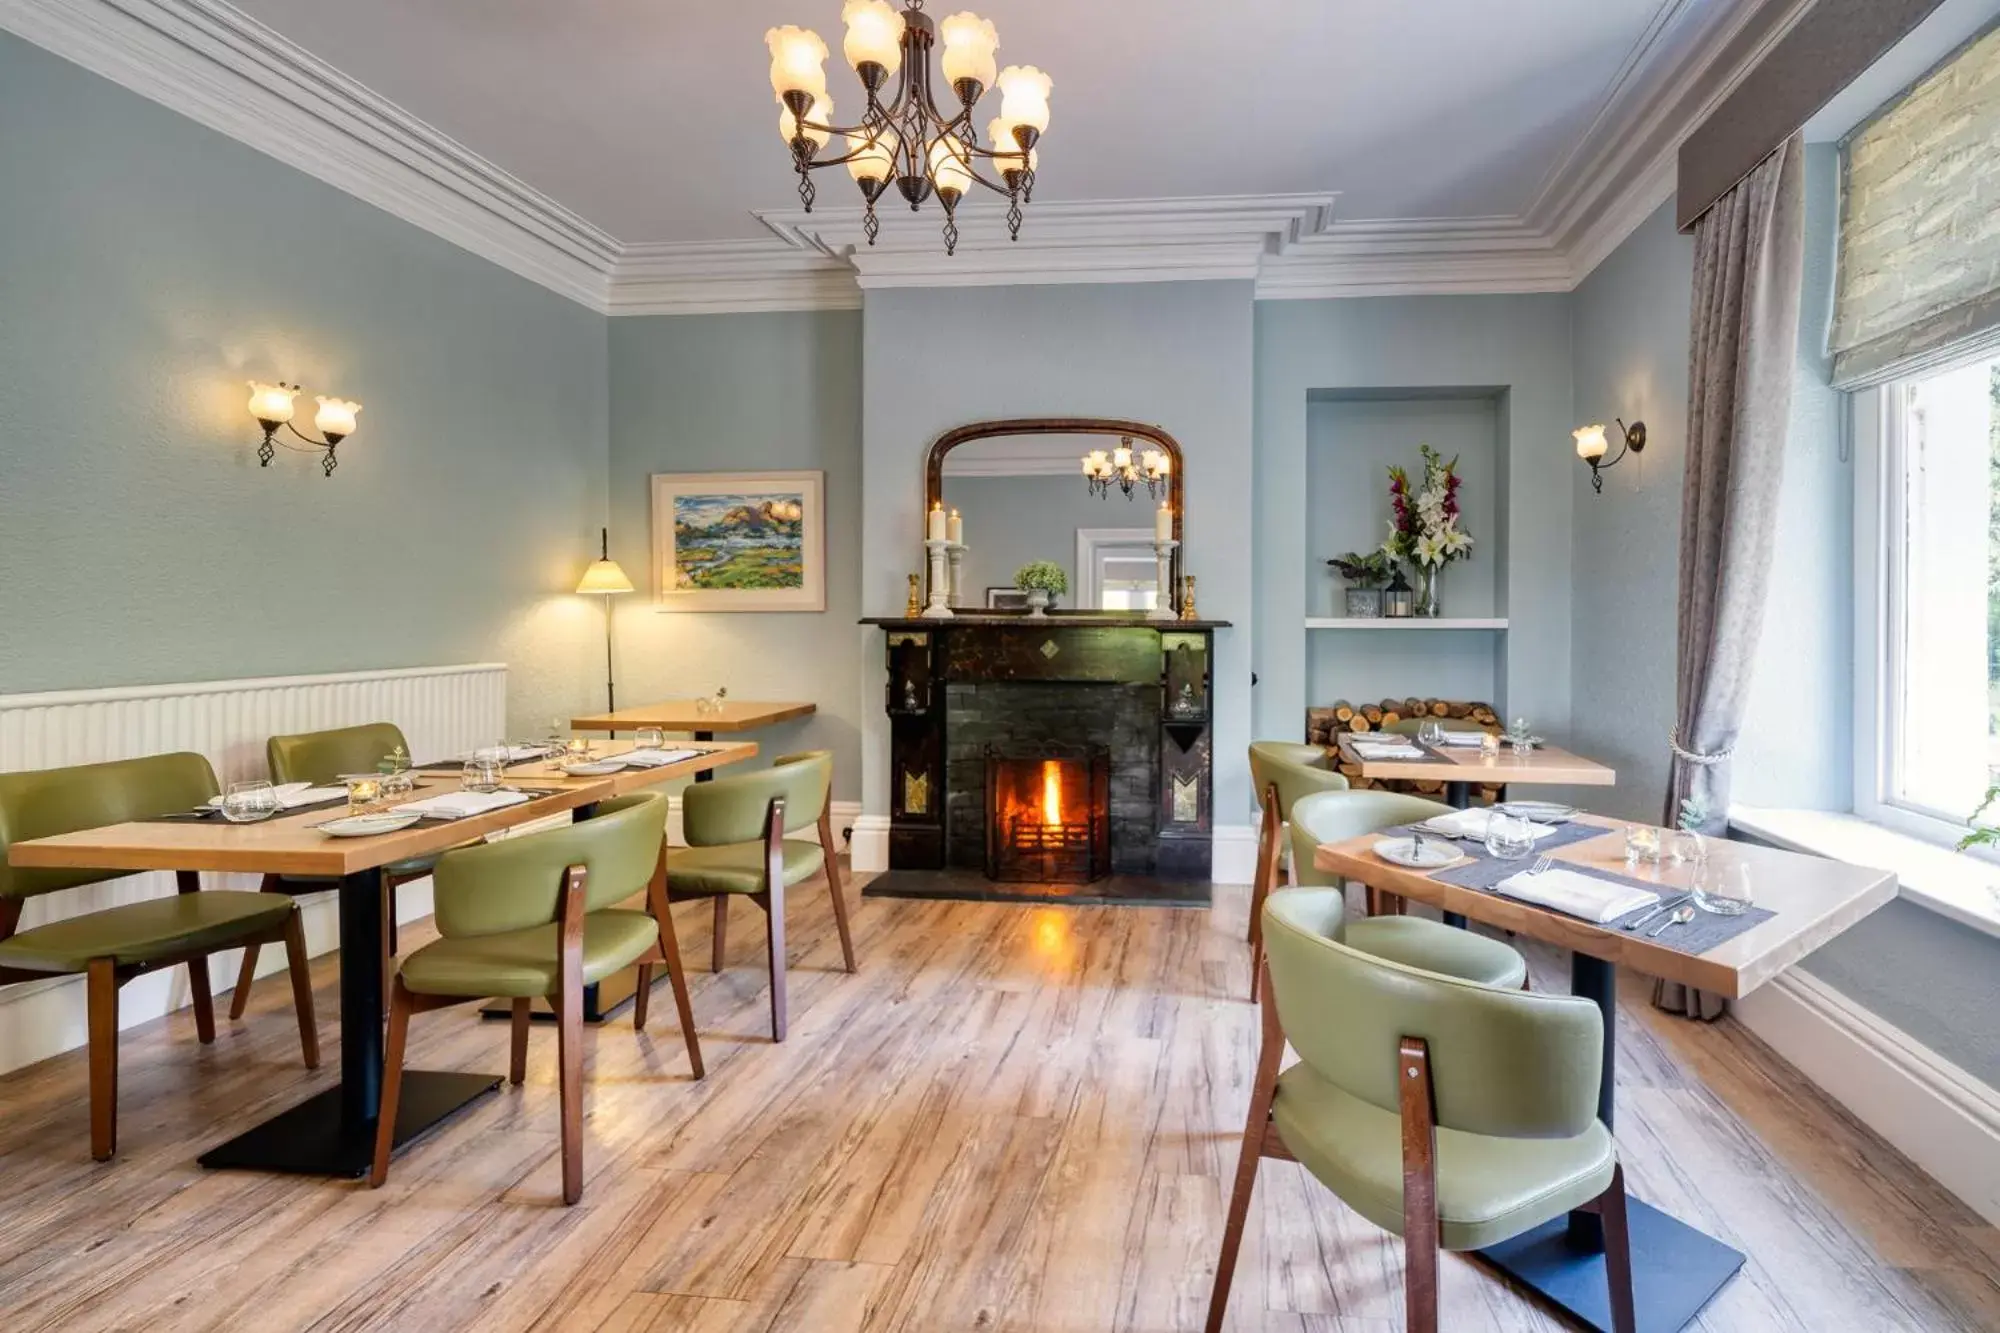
column 1325, row 725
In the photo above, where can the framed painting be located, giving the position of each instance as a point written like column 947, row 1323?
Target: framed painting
column 739, row 541
column 1006, row 599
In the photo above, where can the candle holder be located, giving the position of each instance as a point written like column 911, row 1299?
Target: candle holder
column 915, row 606
column 1187, row 599
column 954, row 591
column 940, row 607
column 1163, row 604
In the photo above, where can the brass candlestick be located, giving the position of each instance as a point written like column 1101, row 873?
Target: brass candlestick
column 916, row 606
column 1187, row 598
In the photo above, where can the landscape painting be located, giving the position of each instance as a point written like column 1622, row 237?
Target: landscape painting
column 739, row 541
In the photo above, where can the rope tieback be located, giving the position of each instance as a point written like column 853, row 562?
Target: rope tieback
column 1688, row 756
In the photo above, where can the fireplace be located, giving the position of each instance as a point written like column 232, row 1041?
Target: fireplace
column 1048, row 817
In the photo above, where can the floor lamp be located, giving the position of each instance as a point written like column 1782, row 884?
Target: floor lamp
column 605, row 579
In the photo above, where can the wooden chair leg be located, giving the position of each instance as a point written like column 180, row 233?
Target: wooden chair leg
column 833, row 883
column 300, row 967
column 1420, row 1220
column 517, row 1049
column 239, row 1000
column 670, row 952
column 204, row 1001
column 1256, row 1128
column 1618, row 1254
column 715, row 947
column 101, row 990
column 642, row 997
column 773, row 904
column 569, row 1038
column 392, row 1083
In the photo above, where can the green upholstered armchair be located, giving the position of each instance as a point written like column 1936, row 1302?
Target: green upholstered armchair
column 534, row 917
column 735, row 831
column 112, row 946
column 1282, row 772
column 321, row 757
column 1454, row 1114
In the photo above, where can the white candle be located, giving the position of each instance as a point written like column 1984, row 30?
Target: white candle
column 955, row 528
column 934, row 525
column 1163, row 525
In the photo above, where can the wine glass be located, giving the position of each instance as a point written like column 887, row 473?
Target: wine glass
column 1508, row 838
column 248, row 802
column 1722, row 886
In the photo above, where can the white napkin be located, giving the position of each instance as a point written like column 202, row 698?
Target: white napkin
column 1586, row 896
column 1467, row 738
column 1472, row 824
column 465, row 804
column 656, row 758
column 1398, row 749
column 292, row 795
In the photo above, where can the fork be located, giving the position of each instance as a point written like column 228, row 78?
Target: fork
column 1541, row 863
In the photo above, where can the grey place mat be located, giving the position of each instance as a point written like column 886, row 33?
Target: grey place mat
column 1428, row 756
column 1564, row 836
column 214, row 816
column 1698, row 936
column 457, row 765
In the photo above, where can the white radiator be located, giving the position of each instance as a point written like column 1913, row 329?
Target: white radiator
column 442, row 710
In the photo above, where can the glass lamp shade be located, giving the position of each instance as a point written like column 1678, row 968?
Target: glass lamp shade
column 1121, row 457
column 1590, row 442
column 874, row 34
column 272, row 402
column 1007, row 149
column 969, row 44
column 820, row 113
column 1024, row 96
column 876, row 157
column 798, row 61
column 603, row 578
column 950, row 172
column 335, row 416
column 1100, row 461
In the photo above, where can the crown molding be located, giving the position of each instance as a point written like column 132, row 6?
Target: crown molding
column 221, row 68
column 717, row 277
column 1416, row 257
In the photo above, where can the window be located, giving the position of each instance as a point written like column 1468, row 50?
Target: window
column 1116, row 569
column 1928, row 740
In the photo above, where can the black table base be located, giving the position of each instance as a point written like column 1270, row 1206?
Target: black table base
column 315, row 1138
column 1676, row 1269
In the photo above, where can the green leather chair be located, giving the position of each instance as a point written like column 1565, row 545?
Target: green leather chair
column 1412, row 940
column 535, row 917
column 321, row 757
column 1282, row 772
column 1454, row 1114
column 735, row 831
column 112, row 946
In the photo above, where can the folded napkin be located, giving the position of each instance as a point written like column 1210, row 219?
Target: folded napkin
column 1472, row 824
column 1577, row 894
column 656, row 758
column 292, row 795
column 1386, row 750
column 465, row 804
column 1466, row 738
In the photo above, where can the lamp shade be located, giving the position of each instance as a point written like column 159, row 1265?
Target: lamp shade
column 874, row 34
column 798, row 60
column 818, row 115
column 272, row 402
column 1024, row 96
column 951, row 172
column 969, row 44
column 1590, row 442
column 872, row 159
column 605, row 575
column 335, row 416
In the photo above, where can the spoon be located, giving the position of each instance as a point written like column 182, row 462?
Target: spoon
column 1682, row 915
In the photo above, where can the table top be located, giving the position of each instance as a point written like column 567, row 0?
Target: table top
column 292, row 844
column 1464, row 763
column 680, row 715
column 715, row 754
column 1813, row 900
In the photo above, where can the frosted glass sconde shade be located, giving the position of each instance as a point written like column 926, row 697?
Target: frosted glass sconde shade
column 335, row 417
column 949, row 171
column 798, row 61
column 1006, row 148
column 272, row 402
column 873, row 159
column 820, row 113
column 1024, row 96
column 1590, row 442
column 874, row 35
column 969, row 44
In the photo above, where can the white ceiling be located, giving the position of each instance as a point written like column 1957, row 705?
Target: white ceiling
column 655, row 120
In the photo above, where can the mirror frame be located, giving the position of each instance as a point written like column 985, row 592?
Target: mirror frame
column 1112, row 426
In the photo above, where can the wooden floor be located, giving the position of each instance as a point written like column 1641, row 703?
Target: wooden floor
column 1014, row 1118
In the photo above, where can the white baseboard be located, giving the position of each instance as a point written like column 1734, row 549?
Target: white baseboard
column 1235, row 848
column 869, row 849
column 1933, row 1112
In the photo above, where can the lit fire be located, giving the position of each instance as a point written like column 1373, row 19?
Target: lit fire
column 1051, row 793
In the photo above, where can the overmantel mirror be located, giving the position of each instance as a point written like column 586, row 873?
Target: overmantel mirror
column 1085, row 493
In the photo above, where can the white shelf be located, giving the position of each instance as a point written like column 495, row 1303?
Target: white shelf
column 1409, row 622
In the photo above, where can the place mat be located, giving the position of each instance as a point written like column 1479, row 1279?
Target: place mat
column 1698, row 936
column 214, row 814
column 1564, row 836
column 1427, row 757
column 533, row 794
column 458, row 765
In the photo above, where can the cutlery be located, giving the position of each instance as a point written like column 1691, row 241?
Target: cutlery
column 1682, row 915
column 1666, row 905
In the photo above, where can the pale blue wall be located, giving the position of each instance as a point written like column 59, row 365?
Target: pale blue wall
column 1175, row 354
column 744, row 393
column 148, row 267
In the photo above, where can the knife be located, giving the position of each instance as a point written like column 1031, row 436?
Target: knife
column 1664, row 905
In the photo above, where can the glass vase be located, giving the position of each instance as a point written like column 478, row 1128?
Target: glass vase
column 1428, row 579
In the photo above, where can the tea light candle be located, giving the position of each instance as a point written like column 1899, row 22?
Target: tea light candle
column 1163, row 525
column 362, row 790
column 934, row 525
column 955, row 528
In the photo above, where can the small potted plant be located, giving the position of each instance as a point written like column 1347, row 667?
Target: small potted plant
column 1043, row 581
column 1365, row 575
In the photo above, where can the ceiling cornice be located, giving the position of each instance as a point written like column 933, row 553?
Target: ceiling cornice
column 216, row 65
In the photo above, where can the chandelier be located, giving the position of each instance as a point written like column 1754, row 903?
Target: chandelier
column 1100, row 469
column 911, row 141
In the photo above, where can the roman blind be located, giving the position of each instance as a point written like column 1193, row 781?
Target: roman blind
column 1919, row 267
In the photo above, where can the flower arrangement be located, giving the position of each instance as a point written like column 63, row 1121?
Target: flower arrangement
column 1424, row 527
column 1042, row 575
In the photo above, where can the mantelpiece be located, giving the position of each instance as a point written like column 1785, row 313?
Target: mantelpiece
column 962, row 689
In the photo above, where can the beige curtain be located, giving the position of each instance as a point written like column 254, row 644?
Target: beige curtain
column 1748, row 266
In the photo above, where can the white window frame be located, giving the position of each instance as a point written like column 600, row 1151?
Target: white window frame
column 1088, row 542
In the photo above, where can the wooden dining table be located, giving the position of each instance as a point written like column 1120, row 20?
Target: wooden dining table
column 1462, row 767
column 332, row 1133
column 689, row 716
column 1676, row 1268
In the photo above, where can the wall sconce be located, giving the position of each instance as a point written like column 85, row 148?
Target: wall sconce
column 1591, row 447
column 271, row 405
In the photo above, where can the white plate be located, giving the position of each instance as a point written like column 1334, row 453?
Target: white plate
column 368, row 826
column 1542, row 812
column 595, row 768
column 1431, row 854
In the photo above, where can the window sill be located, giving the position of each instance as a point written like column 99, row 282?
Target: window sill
column 1950, row 883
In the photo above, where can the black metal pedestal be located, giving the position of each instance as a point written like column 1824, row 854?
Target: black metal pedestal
column 1676, row 1269
column 707, row 774
column 333, row 1133
column 1457, row 795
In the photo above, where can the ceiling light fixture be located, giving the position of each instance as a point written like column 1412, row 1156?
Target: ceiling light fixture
column 911, row 141
column 1100, row 469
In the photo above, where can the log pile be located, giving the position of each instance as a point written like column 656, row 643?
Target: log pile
column 1325, row 725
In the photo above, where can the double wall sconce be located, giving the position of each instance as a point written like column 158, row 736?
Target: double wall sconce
column 272, row 406
column 1591, row 447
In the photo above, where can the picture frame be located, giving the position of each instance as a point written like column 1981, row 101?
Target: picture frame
column 1009, row 598
column 739, row 541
